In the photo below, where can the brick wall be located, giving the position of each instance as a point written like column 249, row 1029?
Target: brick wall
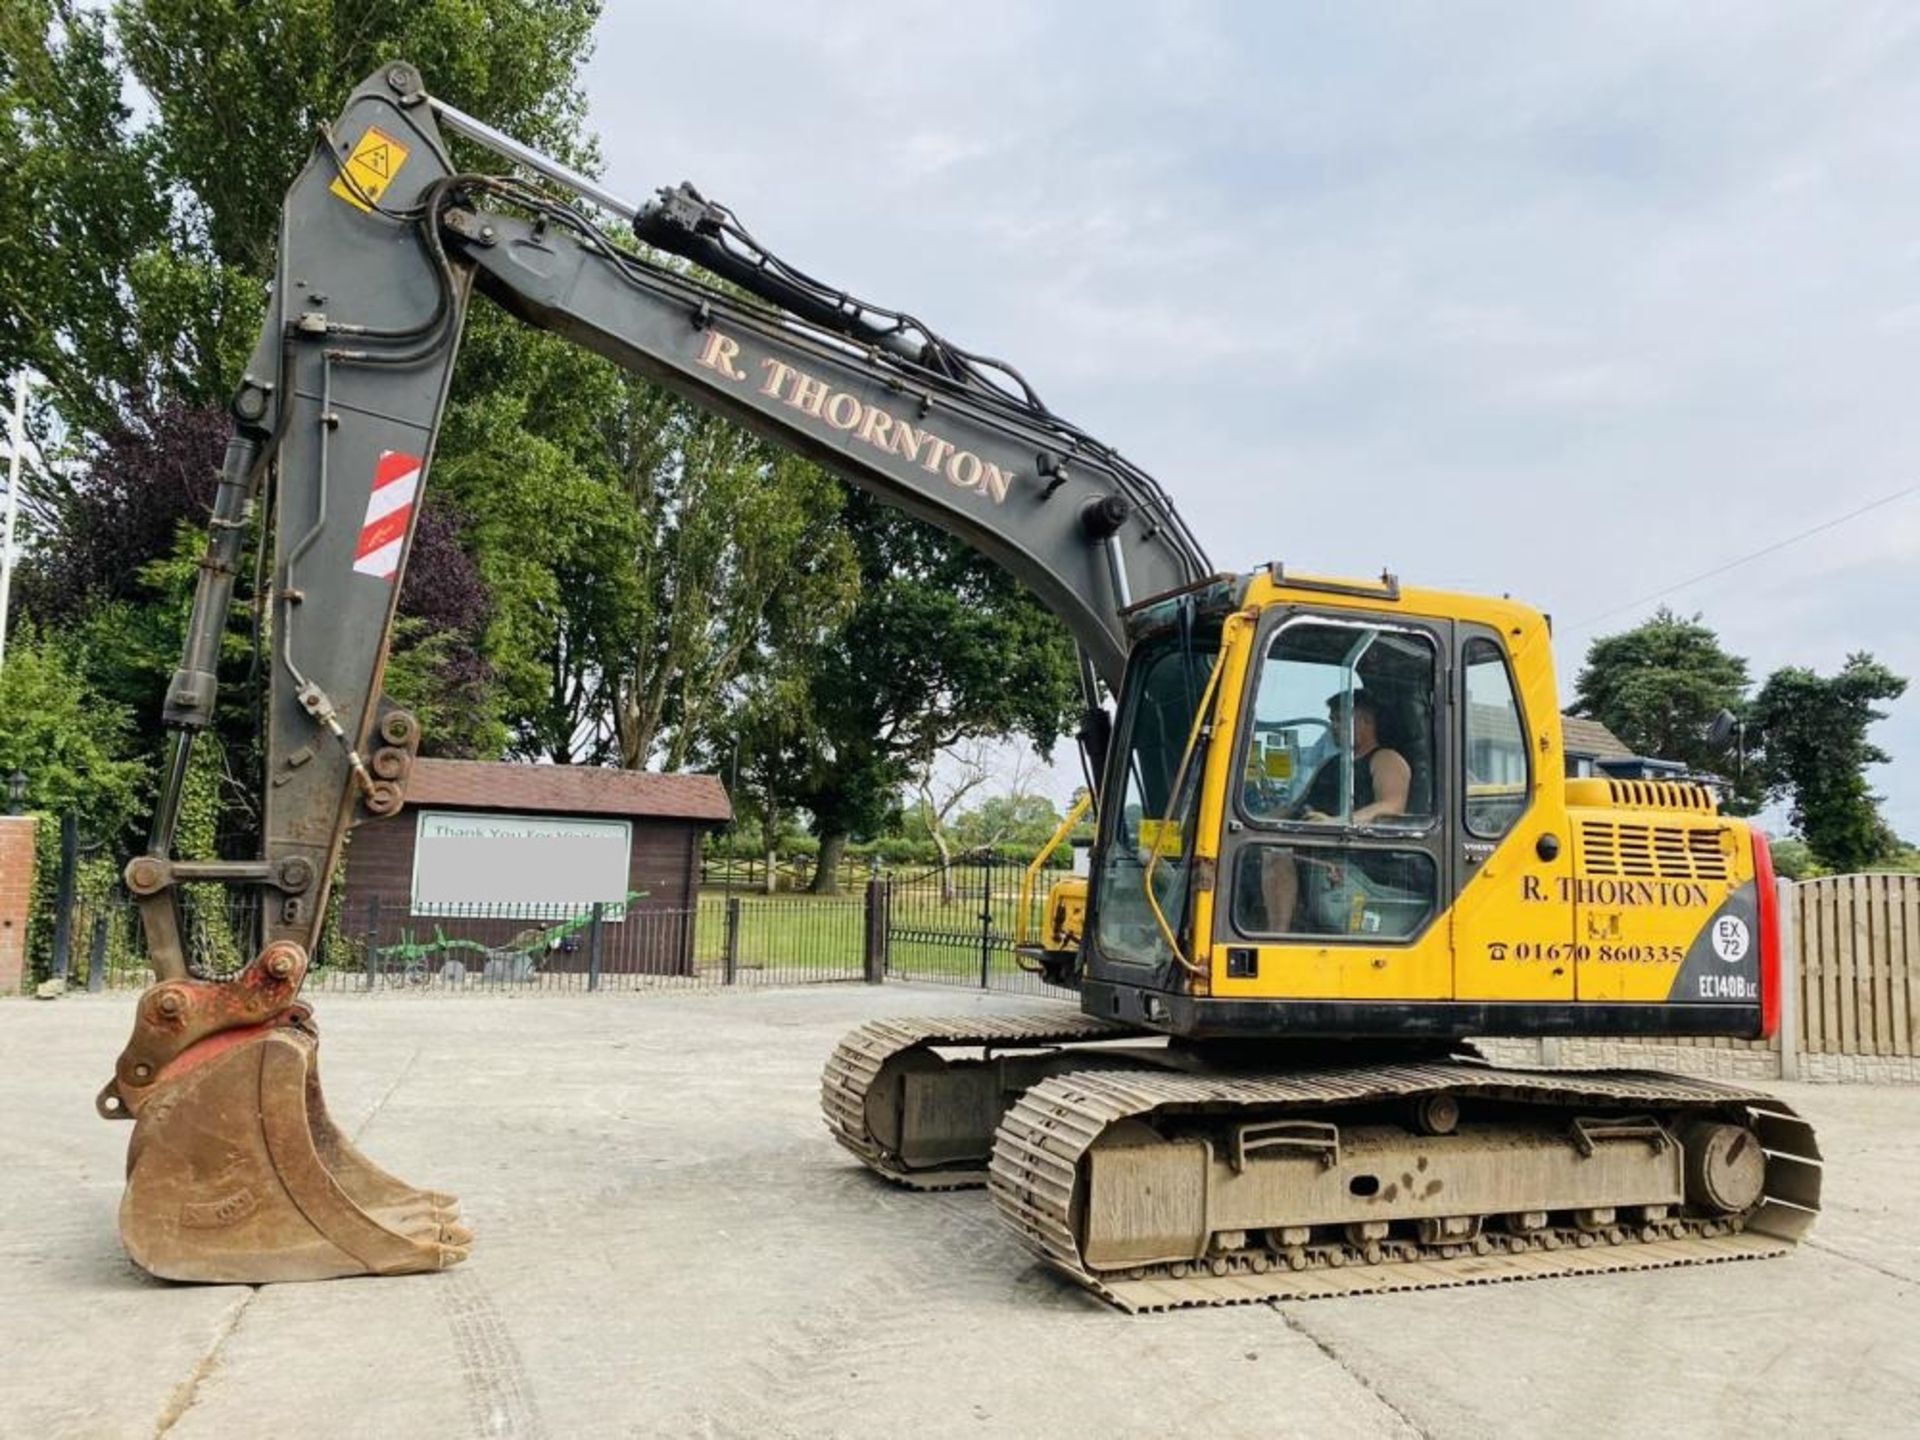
column 16, row 898
column 1632, row 1053
column 1732, row 1064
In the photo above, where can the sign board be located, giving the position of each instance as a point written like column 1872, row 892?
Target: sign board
column 536, row 866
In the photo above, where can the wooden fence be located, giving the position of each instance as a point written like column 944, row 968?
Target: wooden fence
column 1859, row 970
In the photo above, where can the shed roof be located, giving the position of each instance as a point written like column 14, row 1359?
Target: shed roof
column 1591, row 738
column 568, row 790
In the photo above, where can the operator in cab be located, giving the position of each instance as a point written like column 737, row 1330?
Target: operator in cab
column 1381, row 776
column 1382, row 779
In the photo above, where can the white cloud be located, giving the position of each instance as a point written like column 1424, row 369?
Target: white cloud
column 1571, row 301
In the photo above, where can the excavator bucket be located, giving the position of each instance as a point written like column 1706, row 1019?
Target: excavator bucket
column 236, row 1174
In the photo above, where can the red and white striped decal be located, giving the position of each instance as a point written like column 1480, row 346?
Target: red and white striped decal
column 396, row 480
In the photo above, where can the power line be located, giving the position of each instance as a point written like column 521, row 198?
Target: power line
column 1752, row 555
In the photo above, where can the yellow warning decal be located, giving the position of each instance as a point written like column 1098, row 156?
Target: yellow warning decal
column 375, row 160
column 1162, row 836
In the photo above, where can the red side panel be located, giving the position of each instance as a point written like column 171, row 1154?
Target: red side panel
column 1768, row 899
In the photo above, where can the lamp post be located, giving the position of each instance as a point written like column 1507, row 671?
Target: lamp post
column 1727, row 726
column 733, row 817
column 18, row 443
column 17, row 793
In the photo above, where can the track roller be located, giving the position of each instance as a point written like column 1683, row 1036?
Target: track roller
column 1165, row 1188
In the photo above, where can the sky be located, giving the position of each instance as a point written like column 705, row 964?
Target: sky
column 1569, row 302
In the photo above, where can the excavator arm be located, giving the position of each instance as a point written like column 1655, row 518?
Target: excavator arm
column 235, row 1173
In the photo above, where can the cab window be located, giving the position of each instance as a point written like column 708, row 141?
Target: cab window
column 1342, row 730
column 1327, row 890
column 1496, row 741
column 1150, row 832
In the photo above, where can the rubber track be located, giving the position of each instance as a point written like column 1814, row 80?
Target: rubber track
column 858, row 1059
column 1038, row 1149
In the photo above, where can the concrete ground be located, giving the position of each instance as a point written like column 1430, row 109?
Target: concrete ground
column 669, row 1244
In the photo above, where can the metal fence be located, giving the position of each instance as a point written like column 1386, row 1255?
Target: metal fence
column 98, row 942
column 721, row 940
column 1850, row 958
column 955, row 925
column 467, row 949
column 951, row 925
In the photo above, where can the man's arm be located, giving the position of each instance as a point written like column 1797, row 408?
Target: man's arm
column 1392, row 779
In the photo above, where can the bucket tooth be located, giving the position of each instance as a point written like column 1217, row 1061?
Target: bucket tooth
column 236, row 1174
column 398, row 1204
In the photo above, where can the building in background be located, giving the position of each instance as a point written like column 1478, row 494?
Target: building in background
column 1588, row 743
column 495, row 852
column 1496, row 752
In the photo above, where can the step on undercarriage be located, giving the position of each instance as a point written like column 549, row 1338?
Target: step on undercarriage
column 1160, row 1187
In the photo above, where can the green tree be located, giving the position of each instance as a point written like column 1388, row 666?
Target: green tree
column 1793, row 859
column 279, row 71
column 74, row 745
column 127, row 648
column 938, row 800
column 1023, row 822
column 942, row 646
column 764, row 749
column 644, row 566
column 1659, row 686
column 547, row 528
column 99, row 290
column 116, row 556
column 639, row 567
column 136, row 257
column 738, row 551
column 634, row 550
column 241, row 86
column 1814, row 730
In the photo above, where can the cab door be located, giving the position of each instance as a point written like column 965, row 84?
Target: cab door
column 1513, row 931
column 1316, row 901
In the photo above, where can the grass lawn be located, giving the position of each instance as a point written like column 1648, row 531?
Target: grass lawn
column 787, row 937
column 815, row 936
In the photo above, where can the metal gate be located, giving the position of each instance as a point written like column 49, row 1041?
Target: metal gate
column 951, row 925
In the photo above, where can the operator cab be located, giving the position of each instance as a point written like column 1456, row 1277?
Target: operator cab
column 1360, row 753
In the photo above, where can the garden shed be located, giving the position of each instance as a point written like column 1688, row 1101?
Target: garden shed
column 500, row 854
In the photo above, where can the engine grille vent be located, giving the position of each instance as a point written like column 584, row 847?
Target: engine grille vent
column 1660, row 795
column 1653, row 852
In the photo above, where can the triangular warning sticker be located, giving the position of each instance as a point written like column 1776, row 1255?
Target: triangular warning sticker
column 367, row 171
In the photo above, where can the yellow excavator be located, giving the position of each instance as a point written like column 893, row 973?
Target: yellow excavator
column 1335, row 835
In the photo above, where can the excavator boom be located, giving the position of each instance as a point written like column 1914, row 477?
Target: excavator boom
column 382, row 246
